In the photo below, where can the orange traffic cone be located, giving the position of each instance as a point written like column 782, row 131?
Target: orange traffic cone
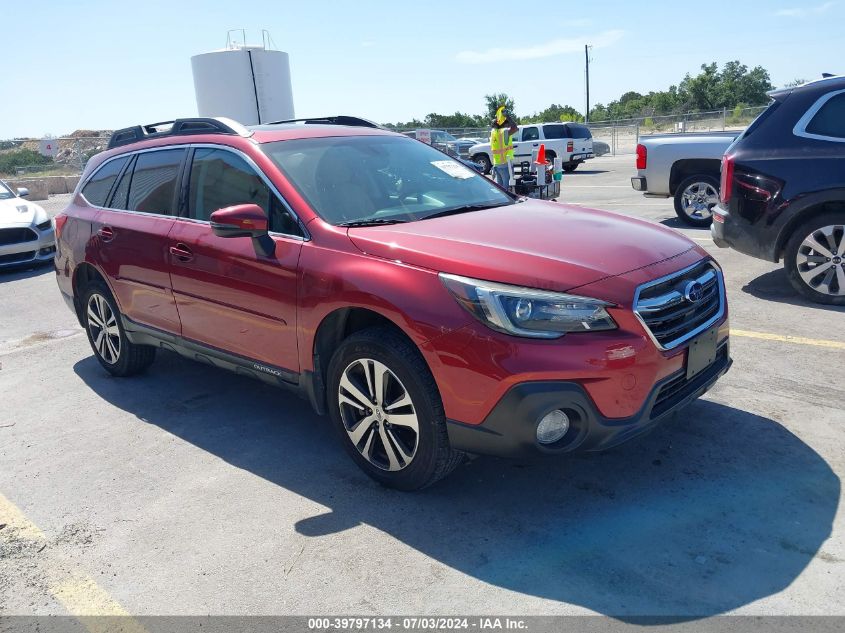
column 541, row 155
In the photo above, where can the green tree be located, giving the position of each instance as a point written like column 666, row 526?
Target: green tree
column 492, row 103
column 555, row 113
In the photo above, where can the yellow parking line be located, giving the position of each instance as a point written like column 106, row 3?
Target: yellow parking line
column 76, row 591
column 15, row 520
column 798, row 340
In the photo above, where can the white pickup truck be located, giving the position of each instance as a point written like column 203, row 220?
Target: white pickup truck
column 686, row 167
column 572, row 142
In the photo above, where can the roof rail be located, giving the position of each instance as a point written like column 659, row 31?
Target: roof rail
column 340, row 119
column 198, row 125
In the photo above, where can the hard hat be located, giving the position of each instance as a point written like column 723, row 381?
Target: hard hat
column 500, row 115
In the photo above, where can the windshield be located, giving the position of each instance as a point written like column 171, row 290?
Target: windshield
column 5, row 192
column 380, row 178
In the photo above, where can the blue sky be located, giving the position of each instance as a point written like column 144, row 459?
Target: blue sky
column 103, row 64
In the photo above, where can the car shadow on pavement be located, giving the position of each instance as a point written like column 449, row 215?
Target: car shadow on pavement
column 9, row 275
column 775, row 286
column 676, row 223
column 716, row 509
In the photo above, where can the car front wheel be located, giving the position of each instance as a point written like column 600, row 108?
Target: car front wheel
column 815, row 259
column 385, row 404
column 105, row 332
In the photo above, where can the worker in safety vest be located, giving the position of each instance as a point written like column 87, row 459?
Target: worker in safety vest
column 501, row 146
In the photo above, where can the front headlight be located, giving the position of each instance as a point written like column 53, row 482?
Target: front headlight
column 45, row 225
column 526, row 311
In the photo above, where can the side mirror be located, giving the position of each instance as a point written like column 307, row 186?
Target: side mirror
column 23, row 192
column 241, row 220
column 244, row 220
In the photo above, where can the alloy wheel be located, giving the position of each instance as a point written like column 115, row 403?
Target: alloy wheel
column 698, row 200
column 378, row 414
column 821, row 260
column 102, row 325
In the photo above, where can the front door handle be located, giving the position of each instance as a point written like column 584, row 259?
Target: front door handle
column 181, row 252
column 106, row 233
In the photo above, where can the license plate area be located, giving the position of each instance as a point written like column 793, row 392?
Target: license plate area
column 702, row 352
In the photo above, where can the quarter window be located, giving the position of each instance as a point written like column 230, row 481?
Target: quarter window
column 96, row 190
column 153, row 185
column 830, row 119
column 220, row 178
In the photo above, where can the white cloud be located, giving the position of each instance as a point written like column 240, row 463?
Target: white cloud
column 803, row 12
column 537, row 51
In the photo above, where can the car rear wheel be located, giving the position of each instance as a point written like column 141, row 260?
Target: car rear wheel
column 695, row 198
column 105, row 332
column 570, row 167
column 815, row 259
column 385, row 405
column 483, row 161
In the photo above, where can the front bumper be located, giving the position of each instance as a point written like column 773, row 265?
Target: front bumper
column 510, row 428
column 39, row 250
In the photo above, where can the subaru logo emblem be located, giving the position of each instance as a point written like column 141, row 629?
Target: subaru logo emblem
column 694, row 292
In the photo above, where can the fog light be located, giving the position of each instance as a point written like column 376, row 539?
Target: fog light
column 552, row 427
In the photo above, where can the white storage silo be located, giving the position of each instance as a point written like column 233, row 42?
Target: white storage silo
column 249, row 84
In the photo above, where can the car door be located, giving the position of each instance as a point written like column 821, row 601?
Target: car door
column 132, row 235
column 529, row 140
column 229, row 296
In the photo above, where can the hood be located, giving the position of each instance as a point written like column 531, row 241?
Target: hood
column 10, row 215
column 535, row 243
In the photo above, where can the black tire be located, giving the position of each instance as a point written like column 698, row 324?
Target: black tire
column 683, row 213
column 433, row 458
column 130, row 359
column 484, row 161
column 795, row 249
column 570, row 167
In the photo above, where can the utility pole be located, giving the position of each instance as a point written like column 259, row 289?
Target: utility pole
column 587, row 67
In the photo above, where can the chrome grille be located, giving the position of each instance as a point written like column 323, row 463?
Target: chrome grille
column 679, row 306
column 17, row 236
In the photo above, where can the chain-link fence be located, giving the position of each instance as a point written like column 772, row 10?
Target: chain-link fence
column 622, row 135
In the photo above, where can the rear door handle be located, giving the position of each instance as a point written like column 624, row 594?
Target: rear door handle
column 106, row 233
column 181, row 252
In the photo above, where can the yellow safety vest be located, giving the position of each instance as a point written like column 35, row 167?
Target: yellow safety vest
column 501, row 143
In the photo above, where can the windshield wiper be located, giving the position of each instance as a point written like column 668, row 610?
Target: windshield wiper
column 371, row 222
column 465, row 209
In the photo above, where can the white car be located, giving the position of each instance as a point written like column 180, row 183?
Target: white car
column 26, row 231
column 571, row 142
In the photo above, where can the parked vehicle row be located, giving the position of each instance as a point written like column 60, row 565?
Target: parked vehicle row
column 427, row 311
column 571, row 142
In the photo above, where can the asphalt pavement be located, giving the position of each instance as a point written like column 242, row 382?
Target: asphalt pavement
column 192, row 491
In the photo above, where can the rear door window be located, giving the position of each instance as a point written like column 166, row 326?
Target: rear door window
column 153, row 186
column 530, row 134
column 121, row 191
column 829, row 121
column 97, row 189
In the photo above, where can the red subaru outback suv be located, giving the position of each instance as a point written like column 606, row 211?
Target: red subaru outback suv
column 428, row 311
